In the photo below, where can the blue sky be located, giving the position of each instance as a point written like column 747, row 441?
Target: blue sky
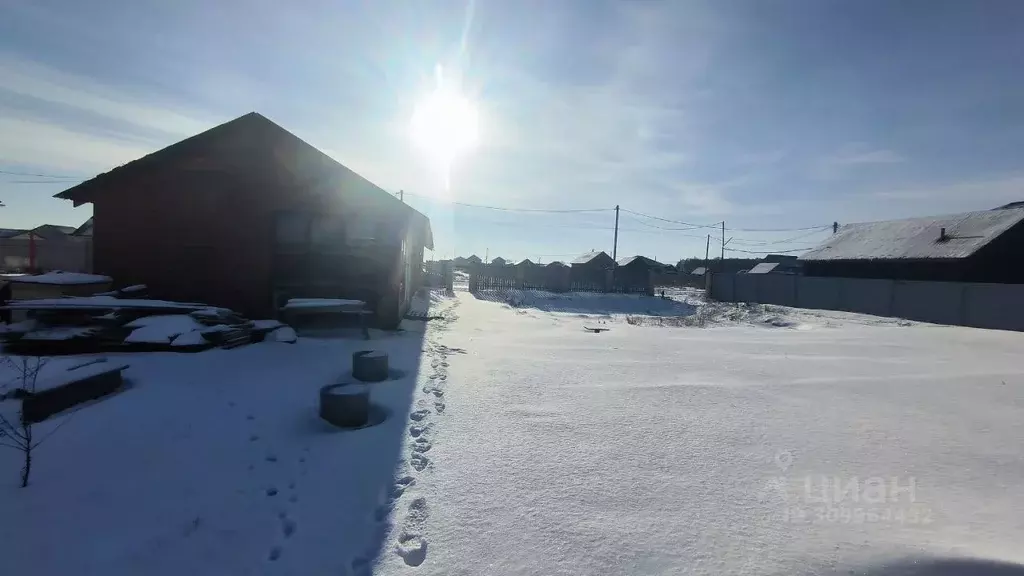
column 765, row 114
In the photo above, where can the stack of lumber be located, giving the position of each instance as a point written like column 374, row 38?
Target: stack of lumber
column 123, row 321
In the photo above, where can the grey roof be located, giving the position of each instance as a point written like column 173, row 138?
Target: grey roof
column 644, row 259
column 585, row 258
column 524, row 262
column 763, row 268
column 557, row 263
column 917, row 238
column 85, row 229
column 699, row 271
column 8, row 232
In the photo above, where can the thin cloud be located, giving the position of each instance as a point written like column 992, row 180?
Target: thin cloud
column 852, row 157
column 48, row 87
column 979, row 194
column 51, row 147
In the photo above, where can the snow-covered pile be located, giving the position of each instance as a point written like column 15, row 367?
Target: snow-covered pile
column 162, row 329
column 61, row 278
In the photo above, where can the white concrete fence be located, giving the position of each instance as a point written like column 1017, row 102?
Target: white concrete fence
column 966, row 304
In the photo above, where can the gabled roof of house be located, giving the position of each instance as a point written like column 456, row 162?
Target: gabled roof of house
column 10, row 232
column 498, row 260
column 699, row 271
column 85, row 229
column 917, row 238
column 647, row 261
column 556, row 263
column 45, row 232
column 763, row 268
column 589, row 256
column 294, row 155
column 525, row 262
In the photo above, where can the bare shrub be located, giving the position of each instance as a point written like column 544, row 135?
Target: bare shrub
column 18, row 435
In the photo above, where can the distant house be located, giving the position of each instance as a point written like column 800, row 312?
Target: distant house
column 525, row 263
column 637, row 269
column 246, row 215
column 556, row 264
column 640, row 262
column 597, row 259
column 474, row 259
column 592, row 268
column 972, row 247
column 46, row 247
column 498, row 261
column 773, row 268
column 699, row 271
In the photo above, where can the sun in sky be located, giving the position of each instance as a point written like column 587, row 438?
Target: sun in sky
column 445, row 126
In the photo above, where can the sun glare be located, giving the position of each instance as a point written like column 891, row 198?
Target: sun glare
column 444, row 126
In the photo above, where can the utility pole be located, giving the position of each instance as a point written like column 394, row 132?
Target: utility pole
column 487, row 255
column 615, row 245
column 722, row 269
column 401, row 195
column 707, row 250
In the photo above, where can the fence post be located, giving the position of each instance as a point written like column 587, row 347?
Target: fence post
column 962, row 316
column 447, row 277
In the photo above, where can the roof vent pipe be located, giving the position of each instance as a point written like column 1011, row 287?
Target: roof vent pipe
column 942, row 235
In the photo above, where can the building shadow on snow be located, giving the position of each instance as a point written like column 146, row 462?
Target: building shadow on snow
column 375, row 462
column 588, row 303
column 931, row 567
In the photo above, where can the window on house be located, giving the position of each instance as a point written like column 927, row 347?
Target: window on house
column 328, row 234
column 362, row 231
column 291, row 230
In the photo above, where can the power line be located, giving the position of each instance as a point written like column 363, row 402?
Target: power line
column 506, row 209
column 692, row 225
column 767, row 251
column 65, row 182
column 822, row 227
column 13, row 173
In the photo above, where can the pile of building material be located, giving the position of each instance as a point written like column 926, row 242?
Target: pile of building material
column 122, row 321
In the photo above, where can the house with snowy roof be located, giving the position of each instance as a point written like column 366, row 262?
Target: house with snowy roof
column 982, row 246
column 246, row 215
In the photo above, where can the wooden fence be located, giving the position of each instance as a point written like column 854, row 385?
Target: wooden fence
column 556, row 279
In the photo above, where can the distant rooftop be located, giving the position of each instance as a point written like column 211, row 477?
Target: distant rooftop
column 917, row 238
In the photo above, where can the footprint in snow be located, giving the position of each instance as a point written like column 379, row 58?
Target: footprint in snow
column 275, row 553
column 439, row 406
column 419, row 415
column 401, row 485
column 250, row 417
column 288, row 527
column 254, row 438
column 417, row 430
column 271, row 458
column 422, row 445
column 418, row 461
column 360, row 565
column 271, row 491
column 418, row 511
column 412, row 549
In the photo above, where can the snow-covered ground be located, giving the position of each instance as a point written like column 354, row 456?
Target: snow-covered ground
column 770, row 441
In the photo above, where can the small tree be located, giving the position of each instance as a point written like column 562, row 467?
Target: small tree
column 18, row 435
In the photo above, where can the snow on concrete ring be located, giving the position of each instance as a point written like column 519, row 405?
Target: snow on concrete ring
column 370, row 366
column 345, row 405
